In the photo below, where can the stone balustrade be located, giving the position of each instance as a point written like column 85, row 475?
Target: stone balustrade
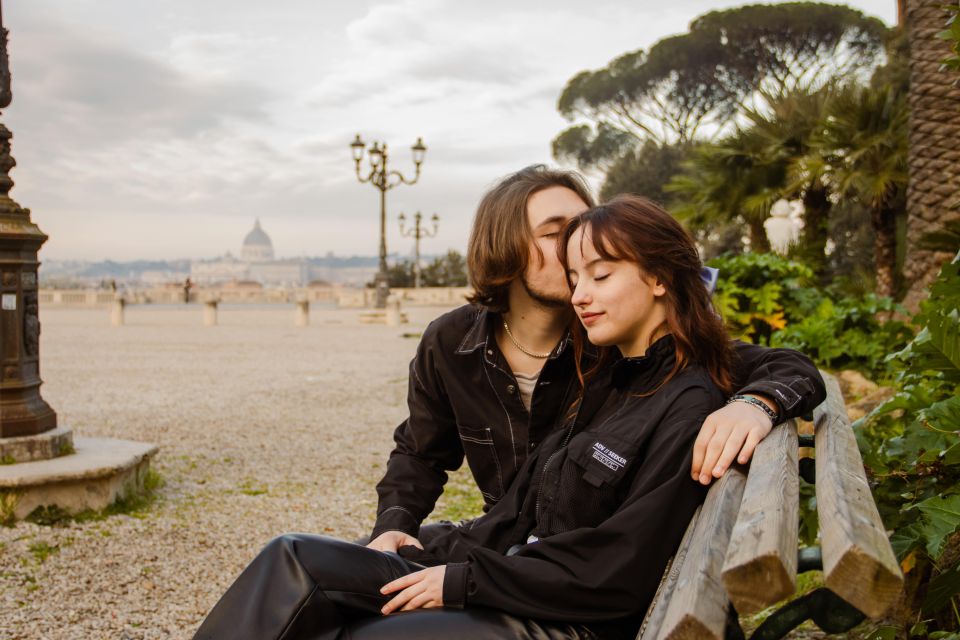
column 341, row 296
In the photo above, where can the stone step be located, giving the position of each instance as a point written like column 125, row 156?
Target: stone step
column 99, row 472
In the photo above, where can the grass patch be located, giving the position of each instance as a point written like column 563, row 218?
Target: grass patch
column 42, row 550
column 8, row 507
column 461, row 500
column 8, row 459
column 153, row 482
column 66, row 448
column 248, row 488
column 50, row 516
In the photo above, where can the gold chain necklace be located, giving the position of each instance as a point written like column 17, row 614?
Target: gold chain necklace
column 541, row 356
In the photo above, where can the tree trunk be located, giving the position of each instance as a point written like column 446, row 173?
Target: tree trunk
column 934, row 154
column 759, row 243
column 816, row 212
column 884, row 220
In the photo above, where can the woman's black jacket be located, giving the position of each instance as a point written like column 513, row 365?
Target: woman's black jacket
column 606, row 502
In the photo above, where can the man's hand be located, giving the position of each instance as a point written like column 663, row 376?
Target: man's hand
column 393, row 540
column 419, row 590
column 735, row 428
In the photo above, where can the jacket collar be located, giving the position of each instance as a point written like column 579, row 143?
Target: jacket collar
column 642, row 373
column 476, row 336
column 481, row 335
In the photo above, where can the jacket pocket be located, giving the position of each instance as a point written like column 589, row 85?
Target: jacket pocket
column 587, row 488
column 603, row 459
column 481, row 453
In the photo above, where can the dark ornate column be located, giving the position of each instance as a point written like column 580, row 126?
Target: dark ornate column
column 22, row 411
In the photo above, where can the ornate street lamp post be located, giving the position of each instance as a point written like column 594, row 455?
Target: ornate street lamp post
column 384, row 180
column 22, row 411
column 416, row 233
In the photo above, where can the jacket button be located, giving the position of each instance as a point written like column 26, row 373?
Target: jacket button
column 489, row 352
column 511, row 388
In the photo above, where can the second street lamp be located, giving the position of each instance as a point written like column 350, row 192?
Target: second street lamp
column 416, row 233
column 381, row 177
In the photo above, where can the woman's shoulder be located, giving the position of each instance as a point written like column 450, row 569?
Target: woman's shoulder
column 693, row 387
column 672, row 414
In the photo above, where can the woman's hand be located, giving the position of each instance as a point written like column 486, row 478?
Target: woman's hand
column 418, row 590
column 735, row 428
column 392, row 541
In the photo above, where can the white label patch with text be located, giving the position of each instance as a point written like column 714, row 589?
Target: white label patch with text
column 608, row 457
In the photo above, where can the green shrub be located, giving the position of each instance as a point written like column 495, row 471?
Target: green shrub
column 772, row 300
column 848, row 334
column 758, row 292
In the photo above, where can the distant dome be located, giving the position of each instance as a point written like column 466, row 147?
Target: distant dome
column 257, row 246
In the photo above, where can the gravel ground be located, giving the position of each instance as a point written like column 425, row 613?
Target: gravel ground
column 263, row 428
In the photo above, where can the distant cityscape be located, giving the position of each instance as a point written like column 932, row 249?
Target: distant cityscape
column 255, row 262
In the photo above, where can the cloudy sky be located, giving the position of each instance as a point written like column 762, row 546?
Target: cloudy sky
column 161, row 129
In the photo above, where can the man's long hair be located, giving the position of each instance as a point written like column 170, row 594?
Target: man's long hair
column 637, row 230
column 499, row 246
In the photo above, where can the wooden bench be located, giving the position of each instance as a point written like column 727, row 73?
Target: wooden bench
column 740, row 552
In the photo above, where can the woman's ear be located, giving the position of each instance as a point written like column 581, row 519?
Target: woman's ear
column 658, row 288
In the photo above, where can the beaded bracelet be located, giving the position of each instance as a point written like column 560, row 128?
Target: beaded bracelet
column 760, row 404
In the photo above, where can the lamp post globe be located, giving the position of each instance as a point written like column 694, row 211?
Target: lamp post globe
column 357, row 147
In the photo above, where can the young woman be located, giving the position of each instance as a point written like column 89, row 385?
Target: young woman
column 576, row 547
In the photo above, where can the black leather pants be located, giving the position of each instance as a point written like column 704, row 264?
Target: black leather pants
column 306, row 587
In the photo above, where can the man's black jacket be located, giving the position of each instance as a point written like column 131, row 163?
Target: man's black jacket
column 464, row 402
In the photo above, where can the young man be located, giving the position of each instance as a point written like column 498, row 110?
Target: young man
column 492, row 378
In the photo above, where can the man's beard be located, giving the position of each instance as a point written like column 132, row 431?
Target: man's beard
column 545, row 299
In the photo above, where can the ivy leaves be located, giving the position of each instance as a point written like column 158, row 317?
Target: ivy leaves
column 911, row 444
column 941, row 517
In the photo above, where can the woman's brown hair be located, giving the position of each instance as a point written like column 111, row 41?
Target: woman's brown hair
column 635, row 229
column 499, row 246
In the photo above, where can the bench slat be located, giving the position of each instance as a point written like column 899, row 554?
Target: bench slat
column 698, row 607
column 761, row 563
column 858, row 563
column 658, row 608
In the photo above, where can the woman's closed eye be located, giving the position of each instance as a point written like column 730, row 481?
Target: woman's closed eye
column 599, row 277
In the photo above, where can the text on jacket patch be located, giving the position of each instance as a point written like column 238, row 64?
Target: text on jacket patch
column 607, row 457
